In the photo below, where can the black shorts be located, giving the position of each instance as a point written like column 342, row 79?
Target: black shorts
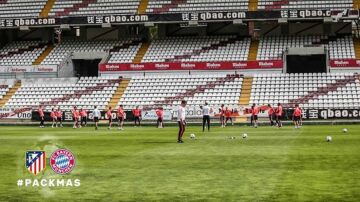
column 96, row 119
column 160, row 119
column 75, row 119
column 296, row 118
column 110, row 120
column 121, row 118
column 255, row 117
column 58, row 118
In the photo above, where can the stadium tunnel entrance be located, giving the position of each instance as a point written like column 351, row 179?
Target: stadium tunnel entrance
column 86, row 67
column 306, row 60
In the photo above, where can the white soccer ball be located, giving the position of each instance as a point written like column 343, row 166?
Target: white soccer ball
column 244, row 135
column 328, row 138
column 345, row 130
column 192, row 136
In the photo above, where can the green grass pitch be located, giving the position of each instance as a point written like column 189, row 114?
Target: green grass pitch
column 146, row 164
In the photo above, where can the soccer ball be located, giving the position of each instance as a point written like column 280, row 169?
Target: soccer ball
column 244, row 135
column 192, row 136
column 345, row 130
column 328, row 138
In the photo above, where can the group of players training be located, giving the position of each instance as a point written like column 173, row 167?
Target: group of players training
column 80, row 116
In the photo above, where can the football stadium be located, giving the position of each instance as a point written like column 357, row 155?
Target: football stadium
column 180, row 100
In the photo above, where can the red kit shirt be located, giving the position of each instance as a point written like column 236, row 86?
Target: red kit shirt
column 279, row 111
column 228, row 113
column 255, row 111
column 160, row 113
column 121, row 113
column 271, row 111
column 41, row 112
column 52, row 114
column 136, row 112
column 83, row 113
column 109, row 114
column 297, row 111
column 59, row 114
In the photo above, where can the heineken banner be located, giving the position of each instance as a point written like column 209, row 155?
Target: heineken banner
column 221, row 65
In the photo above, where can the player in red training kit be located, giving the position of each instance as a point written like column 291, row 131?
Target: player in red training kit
column 160, row 115
column 137, row 115
column 222, row 115
column 271, row 114
column 278, row 113
column 83, row 116
column 59, row 117
column 228, row 113
column 75, row 115
column 53, row 117
column 254, row 115
column 121, row 117
column 109, row 115
column 297, row 116
column 41, row 115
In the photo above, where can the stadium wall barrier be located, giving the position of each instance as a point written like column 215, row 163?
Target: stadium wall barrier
column 29, row 68
column 344, row 63
column 6, row 113
column 232, row 65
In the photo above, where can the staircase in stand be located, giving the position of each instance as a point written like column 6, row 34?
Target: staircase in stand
column 47, row 8
column 43, row 55
column 246, row 91
column 141, row 52
column 254, row 46
column 357, row 47
column 253, row 5
column 356, row 4
column 201, row 50
column 118, row 93
column 10, row 93
column 142, row 6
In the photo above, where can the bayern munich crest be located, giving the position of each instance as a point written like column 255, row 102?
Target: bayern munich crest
column 62, row 161
column 35, row 161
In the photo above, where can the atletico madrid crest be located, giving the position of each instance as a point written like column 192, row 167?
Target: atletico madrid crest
column 35, row 161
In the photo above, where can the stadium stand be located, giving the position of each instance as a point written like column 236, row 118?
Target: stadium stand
column 208, row 48
column 273, row 47
column 310, row 90
column 21, row 52
column 93, row 7
column 297, row 5
column 175, row 49
column 61, row 51
column 21, row 8
column 5, row 85
column 8, row 89
column 168, row 91
column 85, row 92
column 173, row 6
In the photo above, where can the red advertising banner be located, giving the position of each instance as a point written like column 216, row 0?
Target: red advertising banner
column 234, row 65
column 345, row 63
